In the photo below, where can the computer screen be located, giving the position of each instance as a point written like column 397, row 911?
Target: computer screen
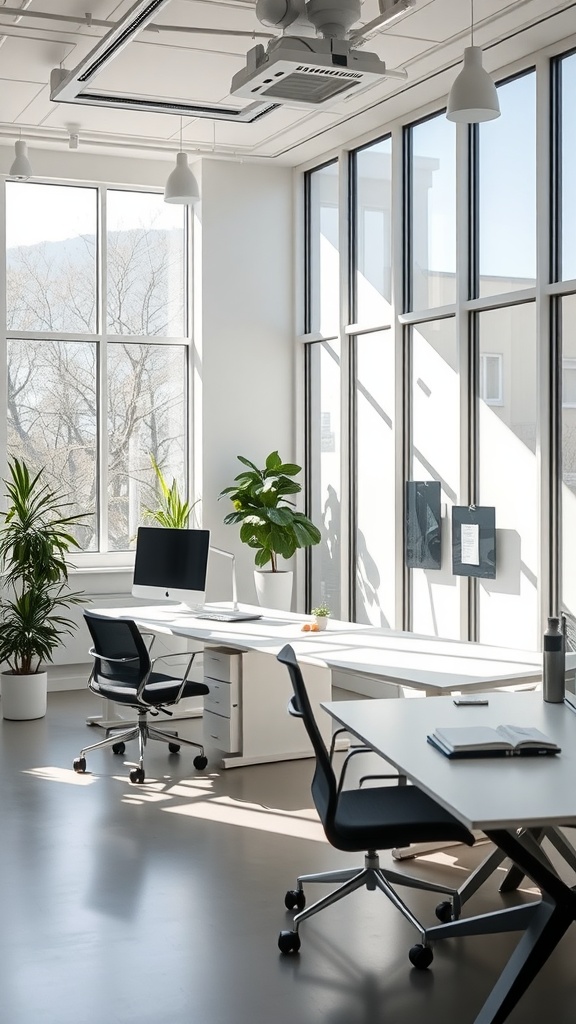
column 171, row 564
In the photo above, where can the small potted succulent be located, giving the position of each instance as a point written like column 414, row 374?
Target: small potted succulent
column 321, row 614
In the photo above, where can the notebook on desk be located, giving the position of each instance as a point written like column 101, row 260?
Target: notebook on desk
column 484, row 741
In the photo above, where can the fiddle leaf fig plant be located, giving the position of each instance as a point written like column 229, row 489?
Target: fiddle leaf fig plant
column 269, row 521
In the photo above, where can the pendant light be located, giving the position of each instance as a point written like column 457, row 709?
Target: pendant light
column 181, row 186
column 473, row 96
column 21, row 168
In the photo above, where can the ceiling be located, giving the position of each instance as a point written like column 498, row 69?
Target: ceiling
column 180, row 61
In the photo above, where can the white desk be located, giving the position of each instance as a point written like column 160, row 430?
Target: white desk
column 430, row 665
column 496, row 795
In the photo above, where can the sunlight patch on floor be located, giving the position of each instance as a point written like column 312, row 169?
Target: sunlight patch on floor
column 68, row 775
column 300, row 824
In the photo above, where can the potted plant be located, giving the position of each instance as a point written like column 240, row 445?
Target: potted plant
column 321, row 614
column 270, row 523
column 173, row 511
column 34, row 543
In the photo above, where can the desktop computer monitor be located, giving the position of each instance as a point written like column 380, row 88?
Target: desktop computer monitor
column 171, row 564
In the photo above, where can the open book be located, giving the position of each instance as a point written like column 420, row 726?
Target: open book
column 484, row 741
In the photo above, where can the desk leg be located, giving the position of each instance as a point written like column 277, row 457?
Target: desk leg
column 545, row 923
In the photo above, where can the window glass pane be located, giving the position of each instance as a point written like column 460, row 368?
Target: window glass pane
column 375, row 534
column 324, row 274
column 373, row 233
column 435, row 455
column 508, row 605
column 146, row 414
column 51, row 257
column 507, row 169
column 324, row 455
column 52, row 420
column 568, row 320
column 433, row 242
column 568, row 162
column 146, row 265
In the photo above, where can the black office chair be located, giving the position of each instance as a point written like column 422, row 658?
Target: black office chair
column 124, row 672
column 371, row 819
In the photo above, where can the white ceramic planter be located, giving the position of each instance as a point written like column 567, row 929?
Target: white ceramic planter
column 23, row 697
column 321, row 621
column 274, row 589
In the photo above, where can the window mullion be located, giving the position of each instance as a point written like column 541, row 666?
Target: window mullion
column 102, row 387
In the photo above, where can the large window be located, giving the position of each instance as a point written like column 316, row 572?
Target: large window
column 568, row 193
column 325, row 499
column 435, row 455
column 509, row 475
column 87, row 407
column 507, row 187
column 464, row 384
column 375, row 538
column 323, row 312
column 433, row 213
column 373, row 233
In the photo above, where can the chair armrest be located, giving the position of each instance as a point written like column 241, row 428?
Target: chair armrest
column 167, row 657
column 366, row 750
column 105, row 657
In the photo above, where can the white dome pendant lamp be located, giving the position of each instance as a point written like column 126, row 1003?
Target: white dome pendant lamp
column 181, row 186
column 21, row 168
column 473, row 97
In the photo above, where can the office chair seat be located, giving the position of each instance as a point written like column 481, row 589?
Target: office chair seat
column 384, row 817
column 368, row 820
column 124, row 672
column 159, row 689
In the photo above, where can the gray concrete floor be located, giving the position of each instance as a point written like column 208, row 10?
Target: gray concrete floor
column 163, row 902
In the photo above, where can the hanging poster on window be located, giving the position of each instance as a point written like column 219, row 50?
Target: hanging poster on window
column 423, row 526
column 474, row 541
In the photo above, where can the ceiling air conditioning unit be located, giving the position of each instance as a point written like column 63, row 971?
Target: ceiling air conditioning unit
column 306, row 72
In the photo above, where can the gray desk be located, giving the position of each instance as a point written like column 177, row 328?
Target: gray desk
column 497, row 795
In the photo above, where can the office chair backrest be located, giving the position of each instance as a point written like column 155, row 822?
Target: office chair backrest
column 118, row 638
column 324, row 789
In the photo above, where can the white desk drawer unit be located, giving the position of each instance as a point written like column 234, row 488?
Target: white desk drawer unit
column 221, row 720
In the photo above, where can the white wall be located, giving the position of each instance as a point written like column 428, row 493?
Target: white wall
column 245, row 340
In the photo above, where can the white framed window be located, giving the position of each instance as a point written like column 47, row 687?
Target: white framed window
column 97, row 306
column 491, row 378
column 569, row 383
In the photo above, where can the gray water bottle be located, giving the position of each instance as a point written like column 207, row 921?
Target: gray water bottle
column 553, row 663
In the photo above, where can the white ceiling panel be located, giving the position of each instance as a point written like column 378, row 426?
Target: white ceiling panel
column 14, row 96
column 175, row 73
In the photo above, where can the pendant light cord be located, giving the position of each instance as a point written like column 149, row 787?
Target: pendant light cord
column 180, row 132
column 471, row 22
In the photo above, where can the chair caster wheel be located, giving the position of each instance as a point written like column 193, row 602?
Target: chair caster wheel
column 118, row 748
column 421, row 956
column 444, row 912
column 173, row 748
column 79, row 765
column 200, row 762
column 137, row 775
column 288, row 942
column 295, row 899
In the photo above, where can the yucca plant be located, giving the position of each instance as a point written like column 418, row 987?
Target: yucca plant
column 34, row 543
column 173, row 511
column 269, row 522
